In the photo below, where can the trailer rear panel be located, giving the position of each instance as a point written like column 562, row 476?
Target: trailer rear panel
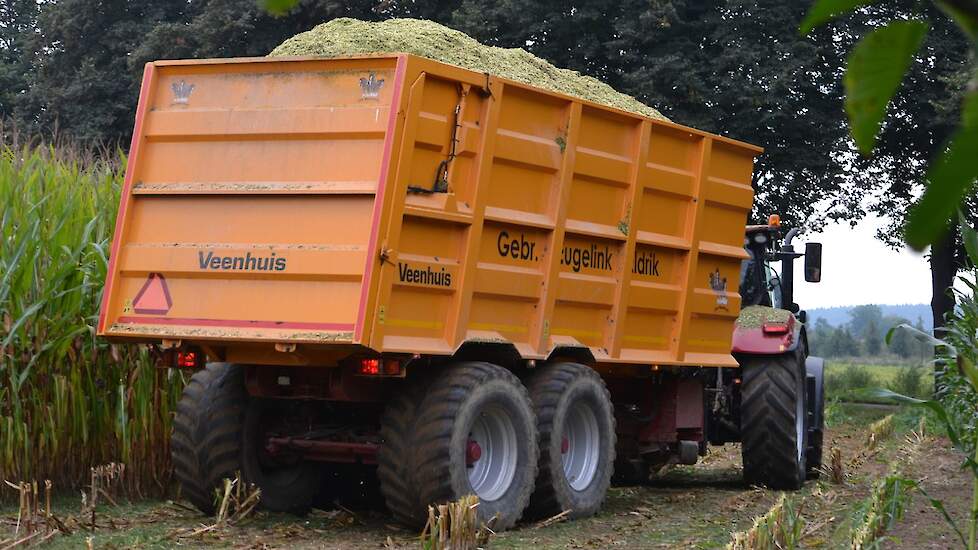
column 272, row 201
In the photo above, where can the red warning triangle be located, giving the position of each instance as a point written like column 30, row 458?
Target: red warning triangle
column 154, row 297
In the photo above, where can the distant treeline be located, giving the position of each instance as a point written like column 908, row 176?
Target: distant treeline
column 864, row 335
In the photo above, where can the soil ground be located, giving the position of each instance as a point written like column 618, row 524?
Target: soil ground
column 688, row 507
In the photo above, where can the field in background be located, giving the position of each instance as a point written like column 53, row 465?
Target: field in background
column 854, row 381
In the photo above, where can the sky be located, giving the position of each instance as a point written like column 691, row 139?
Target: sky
column 858, row 269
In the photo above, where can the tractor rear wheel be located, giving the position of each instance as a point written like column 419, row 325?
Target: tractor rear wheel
column 206, row 441
column 576, row 426
column 773, row 415
column 476, row 434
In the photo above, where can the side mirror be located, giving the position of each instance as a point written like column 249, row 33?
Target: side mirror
column 813, row 262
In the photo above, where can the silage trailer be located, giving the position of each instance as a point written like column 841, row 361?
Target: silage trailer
column 472, row 285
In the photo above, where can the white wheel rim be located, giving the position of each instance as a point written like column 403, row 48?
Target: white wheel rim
column 491, row 472
column 580, row 446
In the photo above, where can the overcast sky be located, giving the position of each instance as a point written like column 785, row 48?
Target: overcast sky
column 858, row 269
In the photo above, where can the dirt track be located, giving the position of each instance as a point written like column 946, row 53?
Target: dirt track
column 689, row 507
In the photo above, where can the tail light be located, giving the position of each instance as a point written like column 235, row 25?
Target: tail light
column 775, row 328
column 189, row 359
column 380, row 367
column 370, row 367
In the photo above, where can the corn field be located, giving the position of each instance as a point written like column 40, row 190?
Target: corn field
column 67, row 400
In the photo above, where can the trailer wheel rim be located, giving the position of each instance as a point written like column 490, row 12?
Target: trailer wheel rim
column 493, row 470
column 582, row 441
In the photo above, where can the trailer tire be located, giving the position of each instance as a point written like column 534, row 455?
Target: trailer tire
column 773, row 421
column 485, row 404
column 206, row 441
column 395, row 465
column 576, row 426
column 285, row 487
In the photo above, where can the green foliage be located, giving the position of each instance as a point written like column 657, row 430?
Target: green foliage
column 278, row 7
column 951, row 177
column 67, row 400
column 850, row 382
column 881, row 510
column 877, row 65
column 826, row 10
column 912, row 381
column 781, row 527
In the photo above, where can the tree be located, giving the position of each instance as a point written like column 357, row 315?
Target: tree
column 842, row 344
column 236, row 28
column 865, row 321
column 926, row 113
column 902, row 344
column 871, row 338
column 878, row 64
column 79, row 79
column 18, row 19
column 819, row 336
column 76, row 65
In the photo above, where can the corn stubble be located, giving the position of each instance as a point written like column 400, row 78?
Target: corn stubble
column 68, row 401
column 456, row 526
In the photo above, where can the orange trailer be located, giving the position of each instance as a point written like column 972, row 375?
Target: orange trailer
column 348, row 240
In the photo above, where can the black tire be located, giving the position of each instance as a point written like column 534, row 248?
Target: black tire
column 559, row 392
column 395, row 464
column 815, row 370
column 207, row 427
column 772, row 418
column 290, row 486
column 461, row 395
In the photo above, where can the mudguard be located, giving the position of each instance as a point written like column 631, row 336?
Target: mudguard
column 815, row 384
column 762, row 330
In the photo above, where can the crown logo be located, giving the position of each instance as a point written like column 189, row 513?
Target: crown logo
column 181, row 92
column 719, row 285
column 370, row 86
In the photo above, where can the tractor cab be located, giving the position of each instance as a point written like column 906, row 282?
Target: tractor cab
column 761, row 284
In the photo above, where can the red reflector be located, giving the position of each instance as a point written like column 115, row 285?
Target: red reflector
column 187, row 359
column 392, row 367
column 775, row 328
column 370, row 366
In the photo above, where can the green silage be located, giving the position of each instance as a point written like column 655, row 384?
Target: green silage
column 756, row 316
column 347, row 37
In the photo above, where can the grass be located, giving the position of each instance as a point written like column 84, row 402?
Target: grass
column 69, row 401
column 853, row 382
